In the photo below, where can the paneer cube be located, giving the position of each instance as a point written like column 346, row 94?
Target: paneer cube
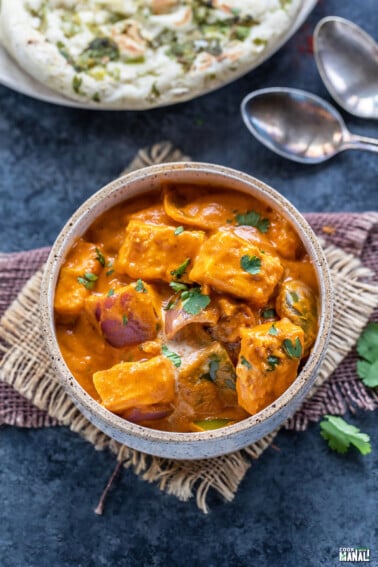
column 127, row 317
column 153, row 252
column 220, row 265
column 136, row 384
column 268, row 363
column 76, row 279
column 207, row 381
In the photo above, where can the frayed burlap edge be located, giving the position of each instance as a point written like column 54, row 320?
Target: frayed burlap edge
column 25, row 366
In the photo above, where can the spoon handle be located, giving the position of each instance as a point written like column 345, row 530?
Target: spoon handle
column 354, row 142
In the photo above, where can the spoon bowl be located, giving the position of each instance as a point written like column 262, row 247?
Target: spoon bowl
column 347, row 60
column 299, row 125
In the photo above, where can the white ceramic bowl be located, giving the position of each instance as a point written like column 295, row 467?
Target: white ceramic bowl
column 163, row 443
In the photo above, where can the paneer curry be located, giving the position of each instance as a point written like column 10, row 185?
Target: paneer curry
column 187, row 309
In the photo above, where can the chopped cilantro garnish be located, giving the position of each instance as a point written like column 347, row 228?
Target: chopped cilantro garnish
column 292, row 350
column 251, row 218
column 99, row 51
column 125, row 320
column 273, row 330
column 340, row 435
column 294, row 296
column 180, row 271
column 100, row 257
column 251, row 264
column 140, row 287
column 76, row 83
column 171, row 304
column 110, row 292
column 213, row 369
column 88, row 280
column 172, row 356
column 269, row 313
column 245, row 362
column 272, row 361
column 176, row 286
column 179, row 230
column 110, row 272
column 367, row 348
column 242, row 32
column 194, row 301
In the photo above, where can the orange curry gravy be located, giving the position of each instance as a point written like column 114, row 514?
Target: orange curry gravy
column 187, row 309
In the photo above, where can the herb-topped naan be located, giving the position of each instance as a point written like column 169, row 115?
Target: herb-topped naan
column 140, row 53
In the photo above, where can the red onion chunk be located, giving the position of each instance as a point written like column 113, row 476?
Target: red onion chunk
column 147, row 413
column 127, row 317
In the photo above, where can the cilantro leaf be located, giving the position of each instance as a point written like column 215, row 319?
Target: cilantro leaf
column 140, row 287
column 294, row 296
column 245, row 362
column 272, row 361
column 110, row 292
column 251, row 218
column 180, row 271
column 125, row 320
column 367, row 348
column 193, row 301
column 368, row 372
column 292, row 350
column 269, row 313
column 76, row 83
column 367, row 345
column 100, row 257
column 88, row 280
column 176, row 286
column 291, row 298
column 172, row 356
column 340, row 435
column 179, row 230
column 90, row 277
column 214, row 362
column 273, row 330
column 251, row 264
column 171, row 303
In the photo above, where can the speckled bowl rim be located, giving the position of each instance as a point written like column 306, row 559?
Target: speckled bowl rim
column 161, row 173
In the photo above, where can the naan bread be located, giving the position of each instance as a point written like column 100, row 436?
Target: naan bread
column 140, row 53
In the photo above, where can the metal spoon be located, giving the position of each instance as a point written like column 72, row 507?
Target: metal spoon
column 299, row 125
column 347, row 59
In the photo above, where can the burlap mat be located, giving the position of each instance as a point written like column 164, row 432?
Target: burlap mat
column 31, row 397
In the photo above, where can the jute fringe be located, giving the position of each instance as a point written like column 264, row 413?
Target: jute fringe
column 25, row 366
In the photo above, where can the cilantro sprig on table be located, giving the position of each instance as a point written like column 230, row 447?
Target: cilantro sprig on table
column 367, row 348
column 341, row 435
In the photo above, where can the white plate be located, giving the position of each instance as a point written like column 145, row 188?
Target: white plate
column 13, row 77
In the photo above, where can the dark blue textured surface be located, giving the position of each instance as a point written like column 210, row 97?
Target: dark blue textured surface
column 296, row 506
